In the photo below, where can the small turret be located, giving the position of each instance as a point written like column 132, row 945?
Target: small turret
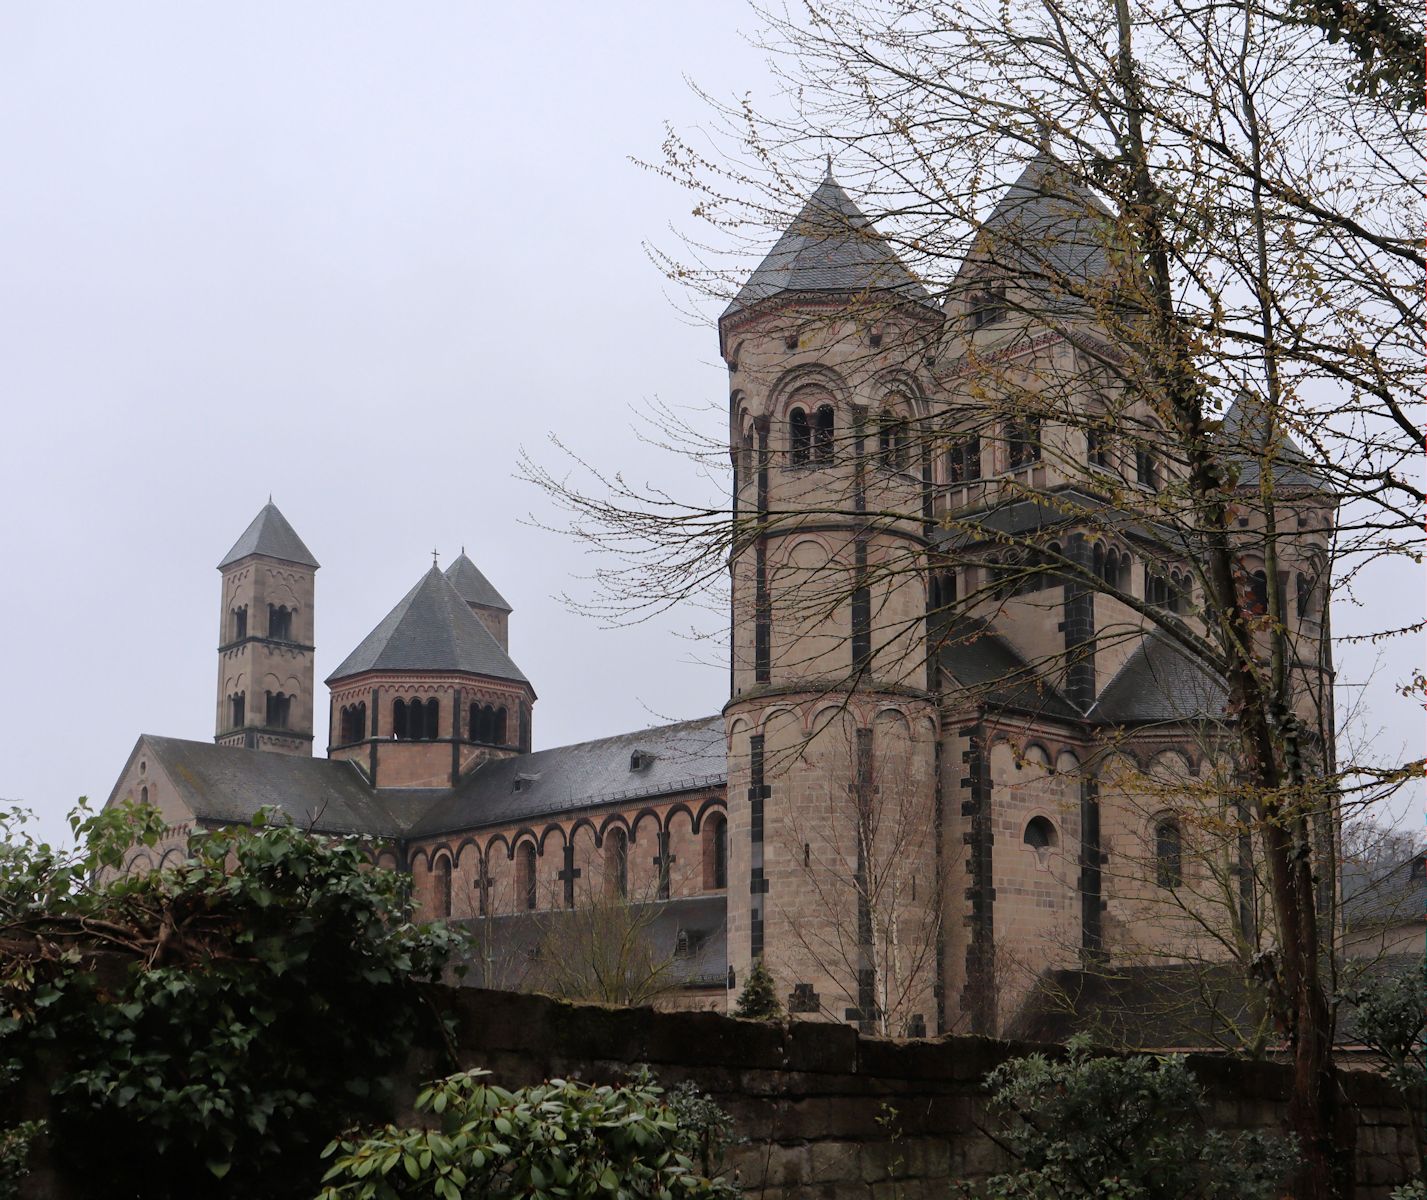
column 477, row 591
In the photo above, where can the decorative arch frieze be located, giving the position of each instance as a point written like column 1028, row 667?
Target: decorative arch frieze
column 712, row 803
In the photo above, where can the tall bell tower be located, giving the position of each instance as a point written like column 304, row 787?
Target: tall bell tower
column 265, row 639
column 831, row 725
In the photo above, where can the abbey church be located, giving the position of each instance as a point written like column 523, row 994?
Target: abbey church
column 967, row 742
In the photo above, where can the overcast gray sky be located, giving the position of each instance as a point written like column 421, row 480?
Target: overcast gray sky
column 355, row 254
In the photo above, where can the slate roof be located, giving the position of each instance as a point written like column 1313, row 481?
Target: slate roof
column 1246, row 432
column 1375, row 895
column 474, row 587
column 511, row 942
column 229, row 784
column 1048, row 229
column 1160, row 682
column 1174, row 1006
column 830, row 247
column 686, row 756
column 431, row 629
column 270, row 534
column 988, row 668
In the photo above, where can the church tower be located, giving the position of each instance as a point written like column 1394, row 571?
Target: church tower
column 832, row 727
column 265, row 639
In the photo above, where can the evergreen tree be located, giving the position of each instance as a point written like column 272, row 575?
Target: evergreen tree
column 759, row 998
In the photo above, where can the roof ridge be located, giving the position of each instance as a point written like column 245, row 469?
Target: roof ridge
column 616, row 736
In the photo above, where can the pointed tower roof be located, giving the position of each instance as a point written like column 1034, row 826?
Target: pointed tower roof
column 432, row 629
column 1246, row 432
column 474, row 587
column 1049, row 227
column 831, row 247
column 270, row 535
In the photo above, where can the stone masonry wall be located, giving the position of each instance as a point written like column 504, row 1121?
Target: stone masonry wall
column 831, row 1115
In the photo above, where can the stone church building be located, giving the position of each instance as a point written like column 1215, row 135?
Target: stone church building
column 963, row 746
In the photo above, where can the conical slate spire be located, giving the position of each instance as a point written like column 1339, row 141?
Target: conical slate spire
column 832, row 247
column 474, row 587
column 1246, row 434
column 1048, row 229
column 432, row 629
column 270, row 535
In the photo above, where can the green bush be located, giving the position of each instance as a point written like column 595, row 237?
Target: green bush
column 559, row 1139
column 1086, row 1127
column 204, row 1027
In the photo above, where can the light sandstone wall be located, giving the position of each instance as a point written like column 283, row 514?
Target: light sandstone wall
column 1037, row 903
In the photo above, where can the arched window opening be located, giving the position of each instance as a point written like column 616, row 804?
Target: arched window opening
column 617, row 862
column 526, row 883
column 1147, row 468
column 498, row 728
column 1040, row 835
column 279, row 709
column 1309, row 597
column 1256, row 597
column 987, row 306
column 144, row 794
column 442, row 889
column 824, row 427
column 1168, row 853
column 399, row 720
column 1111, row 567
column 745, row 466
column 1097, row 447
column 715, row 852
column 1157, row 590
column 800, row 437
column 238, row 703
column 240, row 623
column 1179, row 590
column 432, row 728
column 279, row 623
column 1023, row 441
column 891, row 442
column 963, row 460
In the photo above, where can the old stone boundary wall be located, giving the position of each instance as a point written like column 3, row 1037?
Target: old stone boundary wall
column 831, row 1115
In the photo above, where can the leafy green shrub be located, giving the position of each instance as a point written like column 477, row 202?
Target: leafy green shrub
column 1098, row 1128
column 561, row 1138
column 759, row 998
column 204, row 1027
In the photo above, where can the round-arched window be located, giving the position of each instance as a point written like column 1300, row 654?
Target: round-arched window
column 1041, row 837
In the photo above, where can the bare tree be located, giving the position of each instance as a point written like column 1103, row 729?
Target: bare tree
column 1189, row 335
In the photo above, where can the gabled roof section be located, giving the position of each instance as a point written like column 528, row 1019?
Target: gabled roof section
column 228, row 784
column 986, row 667
column 677, row 758
column 1048, row 230
column 432, row 629
column 1247, row 434
column 1160, row 682
column 272, row 536
column 474, row 587
column 831, row 247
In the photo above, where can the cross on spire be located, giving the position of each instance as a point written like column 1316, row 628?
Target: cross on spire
column 434, row 554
